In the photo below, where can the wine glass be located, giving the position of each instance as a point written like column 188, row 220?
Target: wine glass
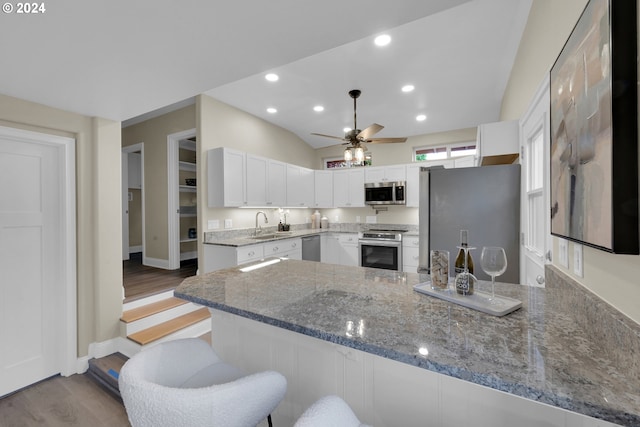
column 494, row 262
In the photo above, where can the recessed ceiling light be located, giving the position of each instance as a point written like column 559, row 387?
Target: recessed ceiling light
column 421, row 117
column 408, row 88
column 382, row 40
column 318, row 108
column 272, row 77
column 272, row 110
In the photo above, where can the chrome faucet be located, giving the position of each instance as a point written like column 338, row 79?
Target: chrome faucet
column 258, row 229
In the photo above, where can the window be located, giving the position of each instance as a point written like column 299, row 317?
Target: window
column 421, row 154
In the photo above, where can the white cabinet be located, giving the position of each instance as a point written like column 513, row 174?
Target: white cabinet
column 385, row 173
column 300, row 186
column 217, row 257
column 498, row 143
column 348, row 188
column 287, row 248
column 339, row 248
column 266, row 181
column 348, row 249
column 323, row 186
column 225, row 178
column 330, row 248
column 410, row 253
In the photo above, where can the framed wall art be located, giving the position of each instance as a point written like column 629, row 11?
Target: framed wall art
column 594, row 130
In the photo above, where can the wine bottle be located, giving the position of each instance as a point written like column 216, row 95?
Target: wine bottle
column 464, row 287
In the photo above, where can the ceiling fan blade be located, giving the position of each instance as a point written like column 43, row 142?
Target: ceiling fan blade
column 385, row 140
column 329, row 136
column 370, row 131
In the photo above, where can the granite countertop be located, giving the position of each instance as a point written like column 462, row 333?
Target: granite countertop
column 538, row 352
column 244, row 240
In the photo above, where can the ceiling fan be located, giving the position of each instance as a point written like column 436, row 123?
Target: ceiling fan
column 356, row 138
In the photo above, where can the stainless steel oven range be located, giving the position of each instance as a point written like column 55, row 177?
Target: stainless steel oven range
column 380, row 249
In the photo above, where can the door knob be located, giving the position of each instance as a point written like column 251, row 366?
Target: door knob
column 540, row 280
column 549, row 255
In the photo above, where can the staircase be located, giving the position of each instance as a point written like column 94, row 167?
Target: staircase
column 162, row 317
column 149, row 321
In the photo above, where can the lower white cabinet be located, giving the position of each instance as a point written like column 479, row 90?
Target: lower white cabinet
column 286, row 248
column 410, row 254
column 339, row 248
column 348, row 249
column 217, row 257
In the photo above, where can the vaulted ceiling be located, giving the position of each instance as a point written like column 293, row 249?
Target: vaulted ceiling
column 122, row 60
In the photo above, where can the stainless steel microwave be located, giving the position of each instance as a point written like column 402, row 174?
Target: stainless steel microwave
column 385, row 193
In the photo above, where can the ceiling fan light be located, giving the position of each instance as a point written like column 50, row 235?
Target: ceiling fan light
column 346, row 130
column 359, row 154
column 348, row 154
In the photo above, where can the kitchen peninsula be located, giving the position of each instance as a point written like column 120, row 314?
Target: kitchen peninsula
column 402, row 358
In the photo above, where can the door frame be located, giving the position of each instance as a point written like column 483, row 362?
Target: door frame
column 66, row 147
column 537, row 113
column 139, row 147
column 173, row 196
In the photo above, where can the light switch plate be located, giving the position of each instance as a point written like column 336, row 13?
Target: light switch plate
column 212, row 224
column 563, row 253
column 228, row 223
column 577, row 260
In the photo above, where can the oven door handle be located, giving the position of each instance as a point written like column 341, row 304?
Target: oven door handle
column 387, row 243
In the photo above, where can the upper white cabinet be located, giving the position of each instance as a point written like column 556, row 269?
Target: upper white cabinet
column 225, row 178
column 497, row 142
column 348, row 188
column 323, row 186
column 266, row 181
column 300, row 186
column 385, row 173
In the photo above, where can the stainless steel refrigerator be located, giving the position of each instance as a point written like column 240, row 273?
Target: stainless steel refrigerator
column 484, row 200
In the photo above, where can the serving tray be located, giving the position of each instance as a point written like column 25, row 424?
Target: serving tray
column 478, row 301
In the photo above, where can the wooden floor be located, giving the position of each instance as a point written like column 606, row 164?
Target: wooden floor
column 141, row 280
column 58, row 401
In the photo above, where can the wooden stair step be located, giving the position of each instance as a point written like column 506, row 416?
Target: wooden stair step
column 163, row 329
column 151, row 309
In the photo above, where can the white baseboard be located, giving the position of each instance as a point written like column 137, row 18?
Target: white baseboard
column 156, row 262
column 188, row 255
column 135, row 249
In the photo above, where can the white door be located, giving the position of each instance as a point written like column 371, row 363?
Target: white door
column 534, row 141
column 32, row 261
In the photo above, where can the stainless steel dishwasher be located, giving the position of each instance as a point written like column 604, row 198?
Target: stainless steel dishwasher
column 311, row 248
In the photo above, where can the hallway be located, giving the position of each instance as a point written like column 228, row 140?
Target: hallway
column 141, row 280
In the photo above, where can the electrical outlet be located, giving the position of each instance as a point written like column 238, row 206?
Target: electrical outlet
column 577, row 260
column 228, row 223
column 212, row 224
column 563, row 253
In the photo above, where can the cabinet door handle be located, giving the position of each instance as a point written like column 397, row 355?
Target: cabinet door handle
column 275, row 249
column 293, row 245
column 251, row 253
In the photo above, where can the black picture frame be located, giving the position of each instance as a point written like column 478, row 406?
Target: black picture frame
column 594, row 130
